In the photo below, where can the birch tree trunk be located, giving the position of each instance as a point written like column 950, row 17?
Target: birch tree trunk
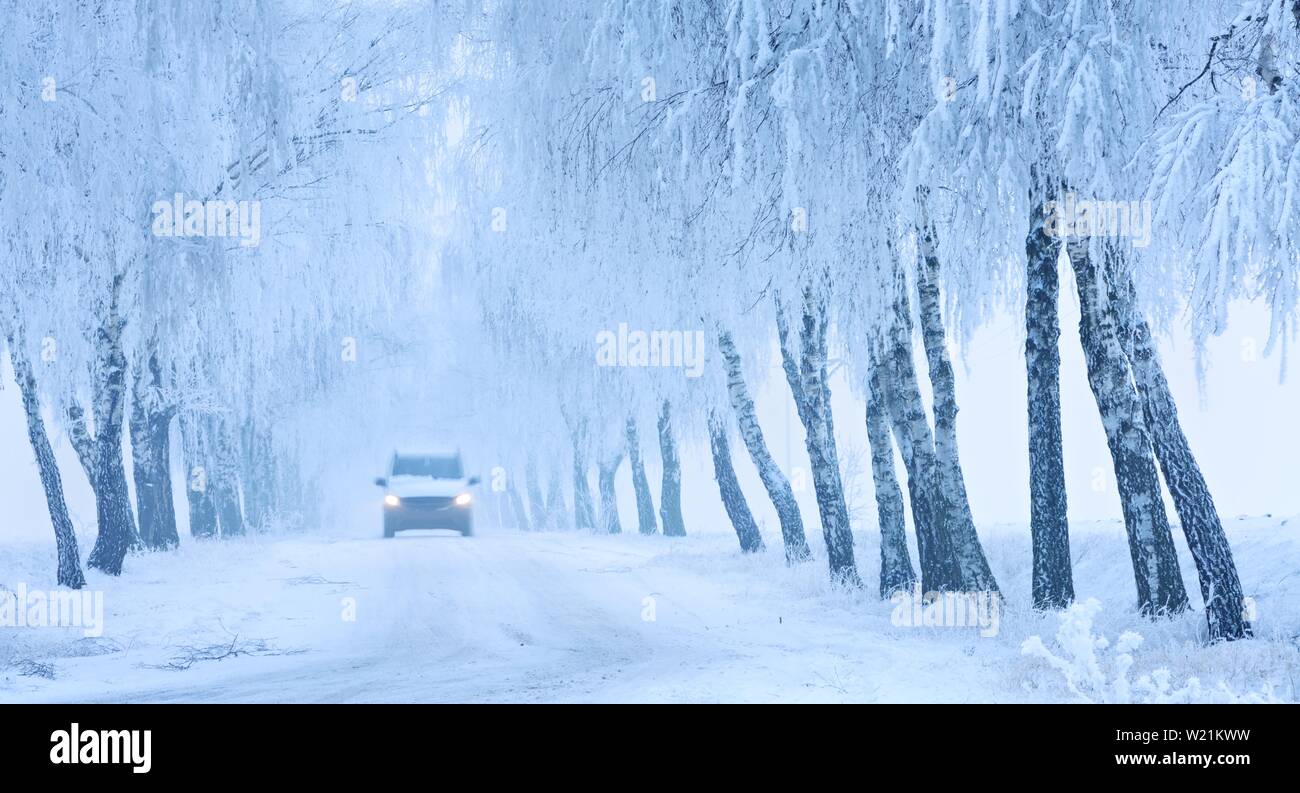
column 976, row 575
column 670, row 494
column 517, row 507
column 1053, row 578
column 805, row 369
column 224, row 482
column 1216, row 570
column 733, row 498
column 259, row 474
column 151, row 458
column 584, row 512
column 65, row 538
column 645, row 508
column 773, row 478
column 557, row 512
column 1151, row 546
column 101, row 454
column 291, row 496
column 609, row 522
column 896, row 572
column 202, row 510
column 940, row 571
column 536, row 502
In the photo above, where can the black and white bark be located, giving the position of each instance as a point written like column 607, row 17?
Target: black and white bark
column 194, row 448
column 1220, row 585
column 976, row 574
column 733, row 498
column 774, row 479
column 65, row 538
column 804, row 362
column 670, row 494
column 100, row 452
column 940, row 571
column 645, row 508
column 150, row 429
column 1052, row 578
column 896, row 571
column 608, row 469
column 1151, row 545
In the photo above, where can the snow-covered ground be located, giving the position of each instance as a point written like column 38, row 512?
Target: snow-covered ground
column 578, row 617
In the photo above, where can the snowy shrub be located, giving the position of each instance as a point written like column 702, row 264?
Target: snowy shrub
column 1095, row 671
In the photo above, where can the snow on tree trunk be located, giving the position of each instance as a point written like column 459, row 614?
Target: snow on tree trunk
column 733, row 498
column 291, row 497
column 976, row 575
column 230, row 516
column 1052, row 579
column 112, row 510
column 151, row 459
column 224, row 482
column 259, row 474
column 896, row 572
column 101, row 453
column 202, row 510
column 1220, row 585
column 65, row 538
column 806, row 371
column 609, row 522
column 645, row 508
column 536, row 502
column 557, row 512
column 584, row 513
column 670, row 494
column 517, row 507
column 1155, row 561
column 940, row 571
column 773, row 478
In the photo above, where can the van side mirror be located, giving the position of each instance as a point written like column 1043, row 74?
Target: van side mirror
column 382, row 482
column 473, row 480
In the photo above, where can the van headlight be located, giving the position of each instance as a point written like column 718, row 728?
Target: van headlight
column 463, row 500
column 391, row 500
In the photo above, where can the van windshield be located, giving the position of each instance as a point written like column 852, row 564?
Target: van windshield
column 432, row 467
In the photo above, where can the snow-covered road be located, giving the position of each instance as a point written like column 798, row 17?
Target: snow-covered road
column 433, row 617
column 560, row 616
